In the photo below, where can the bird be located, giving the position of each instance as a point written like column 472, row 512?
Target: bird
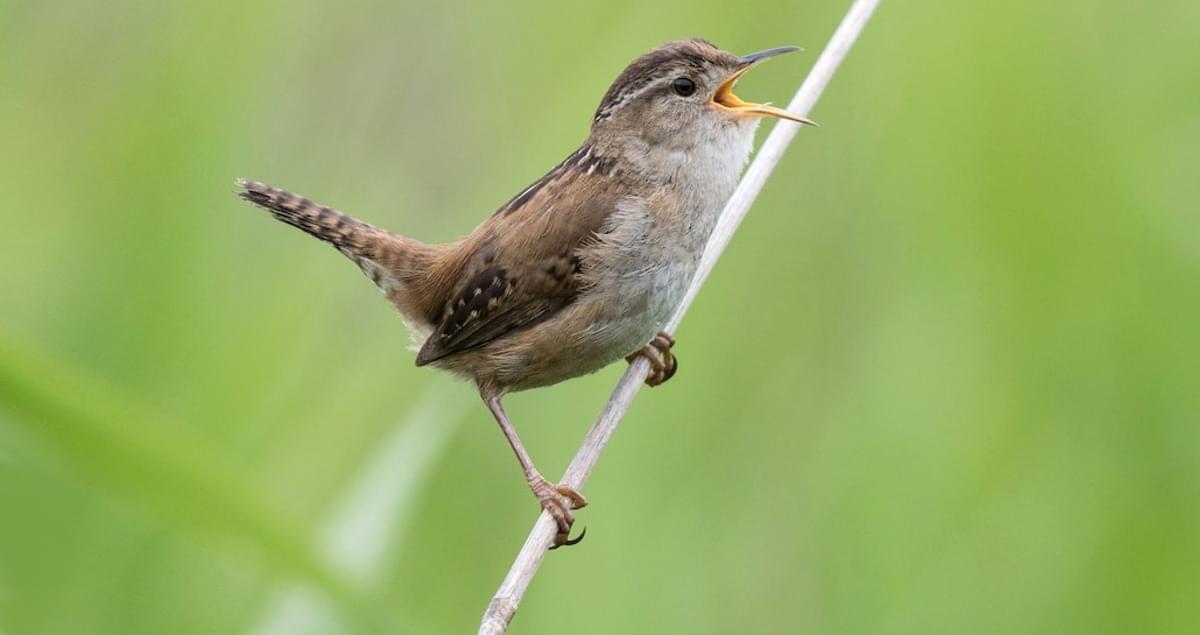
column 583, row 267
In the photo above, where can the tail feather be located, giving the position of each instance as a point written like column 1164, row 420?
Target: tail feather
column 414, row 275
column 350, row 235
column 392, row 262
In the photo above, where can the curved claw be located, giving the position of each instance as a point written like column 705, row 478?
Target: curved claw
column 663, row 363
column 671, row 367
column 566, row 540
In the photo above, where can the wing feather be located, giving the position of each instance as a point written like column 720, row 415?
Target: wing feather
column 526, row 259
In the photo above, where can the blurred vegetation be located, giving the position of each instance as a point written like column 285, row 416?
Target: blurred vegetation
column 945, row 380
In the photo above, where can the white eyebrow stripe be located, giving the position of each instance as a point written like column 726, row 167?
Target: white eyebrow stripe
column 627, row 97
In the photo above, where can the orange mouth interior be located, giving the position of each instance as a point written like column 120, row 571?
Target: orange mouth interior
column 726, row 100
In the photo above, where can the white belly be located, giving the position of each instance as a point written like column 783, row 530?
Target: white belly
column 640, row 274
column 638, row 307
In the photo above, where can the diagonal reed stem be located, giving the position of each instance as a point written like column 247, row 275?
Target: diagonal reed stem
column 504, row 603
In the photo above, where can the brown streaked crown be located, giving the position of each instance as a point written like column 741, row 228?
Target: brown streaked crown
column 694, row 55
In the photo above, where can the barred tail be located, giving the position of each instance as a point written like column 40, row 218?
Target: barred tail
column 394, row 263
column 350, row 235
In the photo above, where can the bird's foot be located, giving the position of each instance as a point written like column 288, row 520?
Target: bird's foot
column 559, row 501
column 663, row 362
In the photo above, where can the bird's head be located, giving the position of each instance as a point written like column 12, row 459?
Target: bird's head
column 681, row 94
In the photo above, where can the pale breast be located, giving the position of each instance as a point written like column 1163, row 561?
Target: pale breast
column 634, row 273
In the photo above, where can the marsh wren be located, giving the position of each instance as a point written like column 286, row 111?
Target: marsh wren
column 583, row 267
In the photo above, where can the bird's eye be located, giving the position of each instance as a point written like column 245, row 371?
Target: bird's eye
column 683, row 86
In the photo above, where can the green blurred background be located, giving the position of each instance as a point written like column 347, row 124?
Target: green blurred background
column 945, row 380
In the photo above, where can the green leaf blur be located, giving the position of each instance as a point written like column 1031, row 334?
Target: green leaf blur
column 945, row 380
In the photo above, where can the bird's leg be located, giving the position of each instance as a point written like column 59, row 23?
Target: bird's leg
column 558, row 500
column 663, row 362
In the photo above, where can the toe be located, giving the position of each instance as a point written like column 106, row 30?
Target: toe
column 561, row 512
column 672, row 366
column 577, row 500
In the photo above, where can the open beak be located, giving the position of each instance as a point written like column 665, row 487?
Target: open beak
column 726, row 100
